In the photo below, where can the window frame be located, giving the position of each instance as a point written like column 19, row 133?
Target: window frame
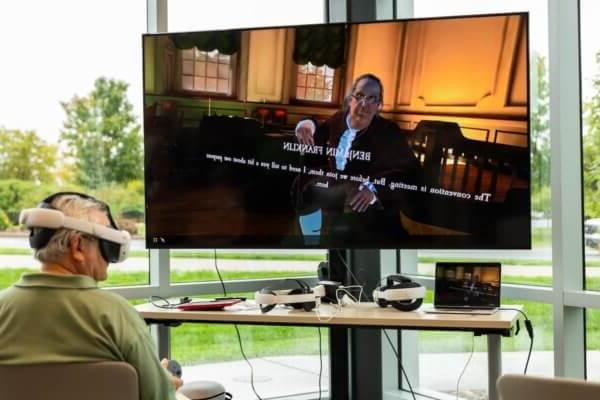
column 566, row 295
column 234, row 78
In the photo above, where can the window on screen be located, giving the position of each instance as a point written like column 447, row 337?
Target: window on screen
column 207, row 71
column 315, row 83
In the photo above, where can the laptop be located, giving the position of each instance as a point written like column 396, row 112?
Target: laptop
column 466, row 288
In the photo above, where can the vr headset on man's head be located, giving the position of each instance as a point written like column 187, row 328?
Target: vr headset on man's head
column 45, row 220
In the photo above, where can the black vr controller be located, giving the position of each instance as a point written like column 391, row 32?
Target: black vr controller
column 400, row 292
column 174, row 368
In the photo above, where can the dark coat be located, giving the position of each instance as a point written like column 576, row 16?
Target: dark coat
column 386, row 156
column 385, row 148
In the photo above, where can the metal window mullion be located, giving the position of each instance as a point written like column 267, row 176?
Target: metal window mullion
column 566, row 175
column 337, row 11
column 582, row 299
column 156, row 21
column 156, row 16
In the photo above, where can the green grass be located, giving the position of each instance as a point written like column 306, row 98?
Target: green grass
column 541, row 237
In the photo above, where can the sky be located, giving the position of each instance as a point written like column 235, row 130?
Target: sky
column 54, row 50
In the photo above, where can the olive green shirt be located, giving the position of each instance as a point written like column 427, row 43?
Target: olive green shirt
column 48, row 318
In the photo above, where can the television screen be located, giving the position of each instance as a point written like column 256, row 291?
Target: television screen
column 390, row 134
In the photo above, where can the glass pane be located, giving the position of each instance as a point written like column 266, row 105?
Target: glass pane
column 187, row 68
column 522, row 266
column 593, row 344
column 329, row 83
column 223, row 85
column 199, row 265
column 187, row 54
column 223, row 71
column 310, row 80
column 301, row 92
column 590, row 90
column 211, row 84
column 320, row 81
column 199, row 84
column 200, row 55
column 211, row 70
column 83, row 50
column 187, row 15
column 443, row 355
column 213, row 56
column 224, row 58
column 284, row 359
column 187, row 83
column 200, row 68
column 301, row 79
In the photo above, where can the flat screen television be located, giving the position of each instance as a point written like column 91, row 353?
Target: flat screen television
column 389, row 134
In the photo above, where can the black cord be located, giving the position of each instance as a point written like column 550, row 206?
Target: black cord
column 219, row 274
column 529, row 328
column 466, row 364
column 237, row 330
column 166, row 304
column 400, row 361
column 320, row 361
column 339, row 253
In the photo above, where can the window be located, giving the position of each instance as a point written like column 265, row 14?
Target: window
column 518, row 267
column 208, row 350
column 315, row 83
column 590, row 91
column 207, row 71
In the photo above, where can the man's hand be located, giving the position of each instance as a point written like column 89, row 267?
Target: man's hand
column 362, row 199
column 175, row 381
column 305, row 131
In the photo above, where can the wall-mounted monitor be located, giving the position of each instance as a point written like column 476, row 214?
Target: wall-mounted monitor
column 391, row 134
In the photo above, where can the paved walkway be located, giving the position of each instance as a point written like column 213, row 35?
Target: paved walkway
column 295, row 375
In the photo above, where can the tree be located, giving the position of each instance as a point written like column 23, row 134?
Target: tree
column 591, row 149
column 25, row 156
column 102, row 135
column 540, row 137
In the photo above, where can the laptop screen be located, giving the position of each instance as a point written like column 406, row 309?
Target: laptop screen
column 467, row 285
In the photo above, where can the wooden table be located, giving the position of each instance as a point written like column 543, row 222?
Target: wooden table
column 364, row 315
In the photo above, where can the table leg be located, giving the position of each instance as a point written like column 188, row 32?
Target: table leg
column 494, row 348
column 161, row 335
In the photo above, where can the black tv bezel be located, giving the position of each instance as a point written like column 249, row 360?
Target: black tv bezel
column 434, row 242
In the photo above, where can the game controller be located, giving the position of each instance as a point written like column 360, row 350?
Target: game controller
column 174, row 368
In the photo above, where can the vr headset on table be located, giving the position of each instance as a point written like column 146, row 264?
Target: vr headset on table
column 302, row 297
column 45, row 220
column 400, row 292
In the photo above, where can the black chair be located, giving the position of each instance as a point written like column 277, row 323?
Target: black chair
column 453, row 163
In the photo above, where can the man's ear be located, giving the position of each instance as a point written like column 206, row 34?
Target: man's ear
column 76, row 247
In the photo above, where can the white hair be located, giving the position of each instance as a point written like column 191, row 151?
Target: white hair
column 72, row 206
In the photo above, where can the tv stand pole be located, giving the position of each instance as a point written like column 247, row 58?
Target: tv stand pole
column 351, row 348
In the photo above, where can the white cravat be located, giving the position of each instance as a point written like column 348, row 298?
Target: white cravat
column 344, row 146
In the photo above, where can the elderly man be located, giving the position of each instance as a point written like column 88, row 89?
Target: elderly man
column 363, row 154
column 59, row 315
